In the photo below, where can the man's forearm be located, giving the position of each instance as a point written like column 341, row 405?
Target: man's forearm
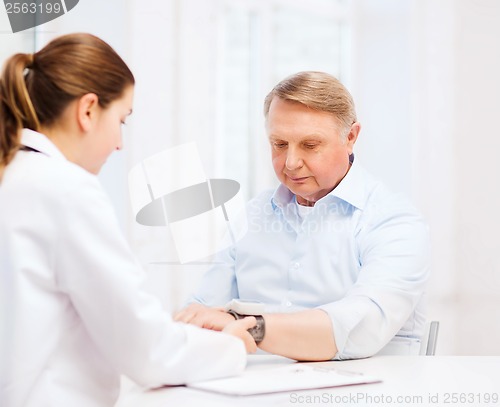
column 305, row 335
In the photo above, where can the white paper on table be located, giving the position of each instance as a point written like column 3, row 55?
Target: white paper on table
column 284, row 378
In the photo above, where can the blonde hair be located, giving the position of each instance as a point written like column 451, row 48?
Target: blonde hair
column 36, row 88
column 319, row 91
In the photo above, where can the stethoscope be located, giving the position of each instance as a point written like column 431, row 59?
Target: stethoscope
column 27, row 148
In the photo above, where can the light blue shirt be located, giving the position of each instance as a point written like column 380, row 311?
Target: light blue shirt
column 361, row 254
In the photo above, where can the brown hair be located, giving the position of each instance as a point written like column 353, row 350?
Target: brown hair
column 318, row 91
column 36, row 88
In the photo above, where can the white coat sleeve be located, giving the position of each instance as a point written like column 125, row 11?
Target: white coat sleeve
column 103, row 281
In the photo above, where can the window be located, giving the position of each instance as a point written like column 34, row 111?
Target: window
column 260, row 43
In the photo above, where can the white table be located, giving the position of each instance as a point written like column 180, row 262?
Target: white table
column 406, row 381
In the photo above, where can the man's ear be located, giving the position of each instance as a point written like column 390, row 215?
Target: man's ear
column 353, row 136
column 87, row 109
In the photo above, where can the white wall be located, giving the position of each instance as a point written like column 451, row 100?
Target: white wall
column 455, row 96
column 427, row 88
column 474, row 143
column 381, row 87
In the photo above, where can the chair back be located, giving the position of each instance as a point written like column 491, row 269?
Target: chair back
column 429, row 339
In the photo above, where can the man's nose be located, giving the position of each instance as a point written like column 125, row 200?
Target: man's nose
column 293, row 160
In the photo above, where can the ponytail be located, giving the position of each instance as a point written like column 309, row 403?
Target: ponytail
column 16, row 108
column 35, row 89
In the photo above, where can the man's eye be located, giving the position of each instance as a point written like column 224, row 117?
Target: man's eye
column 310, row 146
column 279, row 145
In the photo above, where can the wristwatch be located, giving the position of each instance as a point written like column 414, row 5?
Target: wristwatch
column 258, row 331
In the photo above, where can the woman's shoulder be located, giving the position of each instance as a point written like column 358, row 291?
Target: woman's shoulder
column 36, row 176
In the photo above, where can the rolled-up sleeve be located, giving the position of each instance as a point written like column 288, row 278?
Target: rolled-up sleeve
column 394, row 256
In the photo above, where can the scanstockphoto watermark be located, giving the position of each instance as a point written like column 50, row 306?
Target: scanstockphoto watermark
column 356, row 398
column 32, row 13
column 362, row 398
column 313, row 226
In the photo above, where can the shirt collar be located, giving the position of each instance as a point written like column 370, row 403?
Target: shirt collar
column 351, row 190
column 352, row 187
column 41, row 143
column 282, row 197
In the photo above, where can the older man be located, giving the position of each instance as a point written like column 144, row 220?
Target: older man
column 340, row 261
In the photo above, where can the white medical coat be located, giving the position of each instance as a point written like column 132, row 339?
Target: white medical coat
column 73, row 316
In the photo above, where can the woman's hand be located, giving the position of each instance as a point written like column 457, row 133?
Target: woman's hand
column 240, row 329
column 204, row 317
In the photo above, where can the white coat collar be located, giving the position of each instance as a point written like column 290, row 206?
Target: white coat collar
column 41, row 143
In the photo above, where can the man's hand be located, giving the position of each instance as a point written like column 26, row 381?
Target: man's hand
column 205, row 317
column 240, row 329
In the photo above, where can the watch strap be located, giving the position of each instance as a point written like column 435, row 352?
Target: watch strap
column 258, row 331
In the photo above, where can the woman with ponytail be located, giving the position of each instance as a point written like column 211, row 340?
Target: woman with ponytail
column 73, row 316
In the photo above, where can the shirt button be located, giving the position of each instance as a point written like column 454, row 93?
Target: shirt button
column 288, row 304
column 295, row 266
